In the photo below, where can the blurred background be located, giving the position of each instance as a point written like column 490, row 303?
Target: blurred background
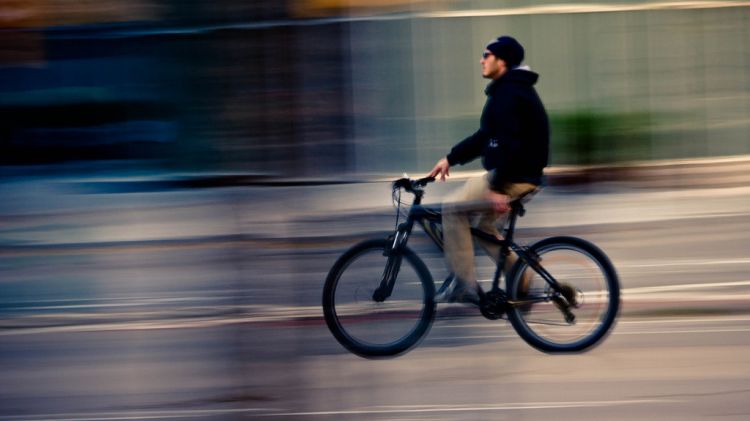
column 177, row 177
column 321, row 87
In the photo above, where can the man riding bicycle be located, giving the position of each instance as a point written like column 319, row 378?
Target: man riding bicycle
column 513, row 141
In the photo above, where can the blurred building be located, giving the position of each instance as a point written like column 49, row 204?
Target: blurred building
column 324, row 87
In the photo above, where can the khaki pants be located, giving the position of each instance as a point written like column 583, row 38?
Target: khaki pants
column 468, row 207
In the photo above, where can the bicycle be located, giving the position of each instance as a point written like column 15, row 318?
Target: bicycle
column 562, row 295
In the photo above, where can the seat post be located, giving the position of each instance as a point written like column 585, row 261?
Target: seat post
column 516, row 209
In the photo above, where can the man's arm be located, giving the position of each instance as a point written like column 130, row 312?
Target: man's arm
column 442, row 169
column 468, row 149
column 465, row 151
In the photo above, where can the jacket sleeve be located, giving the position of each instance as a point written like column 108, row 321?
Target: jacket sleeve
column 468, row 149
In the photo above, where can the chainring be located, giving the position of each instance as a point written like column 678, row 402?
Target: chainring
column 494, row 304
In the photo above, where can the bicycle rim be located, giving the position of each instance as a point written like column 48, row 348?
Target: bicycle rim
column 591, row 282
column 366, row 326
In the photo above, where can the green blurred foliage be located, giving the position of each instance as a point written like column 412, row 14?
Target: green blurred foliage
column 590, row 137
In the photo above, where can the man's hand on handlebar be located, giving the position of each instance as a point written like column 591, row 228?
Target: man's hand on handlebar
column 442, row 169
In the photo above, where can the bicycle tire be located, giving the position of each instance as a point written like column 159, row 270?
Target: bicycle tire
column 353, row 315
column 582, row 268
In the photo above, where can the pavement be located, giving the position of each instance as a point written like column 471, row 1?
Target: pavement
column 197, row 296
column 50, row 217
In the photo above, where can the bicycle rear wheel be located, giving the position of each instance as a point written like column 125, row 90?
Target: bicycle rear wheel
column 366, row 324
column 588, row 280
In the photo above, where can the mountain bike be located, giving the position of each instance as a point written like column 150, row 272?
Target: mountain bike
column 562, row 294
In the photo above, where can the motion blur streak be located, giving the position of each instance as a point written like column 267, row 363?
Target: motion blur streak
column 177, row 178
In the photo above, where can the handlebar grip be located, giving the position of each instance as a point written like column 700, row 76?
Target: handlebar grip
column 402, row 183
column 412, row 185
column 425, row 181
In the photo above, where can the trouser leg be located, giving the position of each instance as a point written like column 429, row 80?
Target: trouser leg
column 460, row 253
column 458, row 245
column 489, row 222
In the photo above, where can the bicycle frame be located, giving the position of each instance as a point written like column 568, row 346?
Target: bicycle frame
column 583, row 270
column 430, row 221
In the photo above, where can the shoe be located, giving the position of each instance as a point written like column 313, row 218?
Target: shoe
column 457, row 293
column 465, row 296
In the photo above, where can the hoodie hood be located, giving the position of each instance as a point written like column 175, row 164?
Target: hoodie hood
column 520, row 75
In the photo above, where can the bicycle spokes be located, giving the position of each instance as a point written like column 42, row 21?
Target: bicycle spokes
column 576, row 309
column 376, row 305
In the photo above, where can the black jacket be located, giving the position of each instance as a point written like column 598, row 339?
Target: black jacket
column 513, row 135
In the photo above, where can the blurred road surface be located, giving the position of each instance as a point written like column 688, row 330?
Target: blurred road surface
column 143, row 302
column 467, row 368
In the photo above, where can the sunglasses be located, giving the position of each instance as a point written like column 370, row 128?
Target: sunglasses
column 486, row 54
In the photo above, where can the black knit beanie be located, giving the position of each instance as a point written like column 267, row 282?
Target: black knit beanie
column 507, row 49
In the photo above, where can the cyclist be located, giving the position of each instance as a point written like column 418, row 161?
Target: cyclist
column 513, row 141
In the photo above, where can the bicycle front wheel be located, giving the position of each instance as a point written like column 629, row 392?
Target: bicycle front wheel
column 589, row 283
column 358, row 314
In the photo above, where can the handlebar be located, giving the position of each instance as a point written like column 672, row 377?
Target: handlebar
column 412, row 186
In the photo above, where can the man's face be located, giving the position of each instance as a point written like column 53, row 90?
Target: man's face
column 492, row 67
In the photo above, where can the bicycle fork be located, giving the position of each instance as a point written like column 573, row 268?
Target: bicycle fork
column 392, row 266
